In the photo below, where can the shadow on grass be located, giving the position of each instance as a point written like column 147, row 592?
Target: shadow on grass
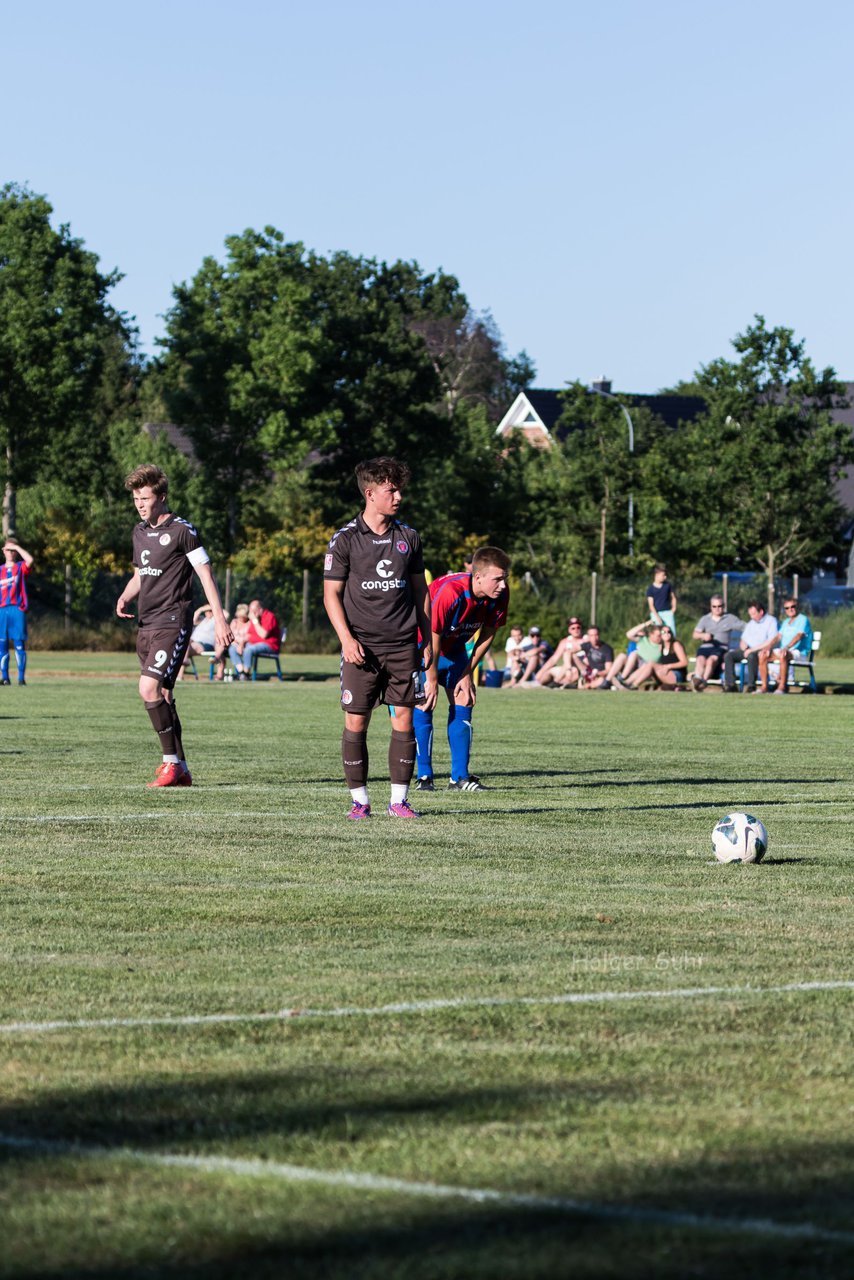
column 468, row 1244
column 377, row 1234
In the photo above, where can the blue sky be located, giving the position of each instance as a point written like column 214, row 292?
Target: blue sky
column 622, row 184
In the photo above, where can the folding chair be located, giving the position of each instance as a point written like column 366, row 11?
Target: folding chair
column 271, row 657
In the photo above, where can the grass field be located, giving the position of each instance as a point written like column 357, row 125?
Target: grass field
column 539, row 1033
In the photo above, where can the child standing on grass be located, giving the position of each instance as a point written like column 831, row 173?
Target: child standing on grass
column 661, row 600
column 166, row 551
column 376, row 596
column 13, row 608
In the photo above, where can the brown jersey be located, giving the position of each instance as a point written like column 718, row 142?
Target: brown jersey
column 377, row 570
column 165, row 556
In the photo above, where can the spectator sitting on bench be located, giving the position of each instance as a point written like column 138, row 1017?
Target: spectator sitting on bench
column 669, row 670
column 535, row 651
column 203, row 640
column 593, row 659
column 793, row 640
column 759, row 634
column 262, row 638
column 713, row 630
column 560, row 669
column 646, row 638
column 515, row 663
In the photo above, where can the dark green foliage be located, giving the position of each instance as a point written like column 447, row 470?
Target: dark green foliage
column 750, row 483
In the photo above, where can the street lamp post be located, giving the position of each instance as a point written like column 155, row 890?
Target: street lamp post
column 599, row 390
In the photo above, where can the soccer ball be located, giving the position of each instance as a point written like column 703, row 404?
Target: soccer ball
column 739, row 837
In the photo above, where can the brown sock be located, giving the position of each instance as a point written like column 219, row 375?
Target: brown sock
column 354, row 753
column 401, row 757
column 160, row 715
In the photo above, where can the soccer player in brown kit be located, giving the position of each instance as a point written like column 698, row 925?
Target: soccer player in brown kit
column 376, row 596
column 166, row 550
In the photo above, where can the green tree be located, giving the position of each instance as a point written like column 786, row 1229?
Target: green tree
column 579, row 490
column 58, row 336
column 239, row 361
column 756, row 474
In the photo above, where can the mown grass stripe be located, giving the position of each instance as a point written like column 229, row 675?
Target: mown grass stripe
column 373, row 1182
column 412, row 1006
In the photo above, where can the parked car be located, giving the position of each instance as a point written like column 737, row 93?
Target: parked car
column 826, row 597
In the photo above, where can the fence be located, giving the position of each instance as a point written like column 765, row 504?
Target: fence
column 615, row 605
column 78, row 611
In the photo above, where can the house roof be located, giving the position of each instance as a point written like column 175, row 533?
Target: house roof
column 547, row 407
column 540, row 407
column 175, row 435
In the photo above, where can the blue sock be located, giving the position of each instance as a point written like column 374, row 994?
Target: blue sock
column 422, row 723
column 4, row 659
column 21, row 659
column 459, row 738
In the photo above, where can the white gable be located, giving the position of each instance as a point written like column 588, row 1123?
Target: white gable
column 522, row 414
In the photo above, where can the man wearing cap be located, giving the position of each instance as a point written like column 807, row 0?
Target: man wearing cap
column 561, row 670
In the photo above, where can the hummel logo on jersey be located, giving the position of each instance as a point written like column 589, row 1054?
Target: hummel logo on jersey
column 381, row 542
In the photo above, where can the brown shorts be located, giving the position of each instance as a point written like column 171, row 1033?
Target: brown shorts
column 161, row 651
column 392, row 676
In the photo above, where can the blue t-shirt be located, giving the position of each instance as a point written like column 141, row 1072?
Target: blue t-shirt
column 790, row 627
column 660, row 596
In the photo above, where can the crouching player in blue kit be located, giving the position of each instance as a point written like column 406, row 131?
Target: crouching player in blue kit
column 463, row 604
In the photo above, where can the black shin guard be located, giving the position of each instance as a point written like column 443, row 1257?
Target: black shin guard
column 160, row 714
column 354, row 753
column 401, row 757
column 176, row 729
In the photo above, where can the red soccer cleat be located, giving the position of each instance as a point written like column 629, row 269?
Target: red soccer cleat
column 170, row 775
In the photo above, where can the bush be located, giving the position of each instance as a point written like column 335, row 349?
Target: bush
column 47, row 632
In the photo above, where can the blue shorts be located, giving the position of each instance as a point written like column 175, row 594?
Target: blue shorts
column 13, row 624
column 451, row 668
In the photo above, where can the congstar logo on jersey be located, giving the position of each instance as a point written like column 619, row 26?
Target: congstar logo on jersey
column 386, row 581
column 146, row 570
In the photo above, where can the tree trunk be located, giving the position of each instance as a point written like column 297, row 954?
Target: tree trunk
column 771, row 587
column 10, row 498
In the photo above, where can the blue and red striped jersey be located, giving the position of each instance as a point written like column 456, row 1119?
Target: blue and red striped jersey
column 457, row 615
column 13, row 589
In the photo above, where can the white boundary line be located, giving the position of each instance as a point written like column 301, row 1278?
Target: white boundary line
column 436, row 1191
column 413, row 1006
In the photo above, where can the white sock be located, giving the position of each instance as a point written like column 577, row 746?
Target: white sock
column 359, row 794
column 171, row 759
column 399, row 792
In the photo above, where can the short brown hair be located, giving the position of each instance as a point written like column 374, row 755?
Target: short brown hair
column 147, row 475
column 376, row 471
column 490, row 557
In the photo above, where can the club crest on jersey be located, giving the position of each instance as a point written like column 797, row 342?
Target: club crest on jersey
column 402, row 546
column 165, row 539
column 346, row 697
